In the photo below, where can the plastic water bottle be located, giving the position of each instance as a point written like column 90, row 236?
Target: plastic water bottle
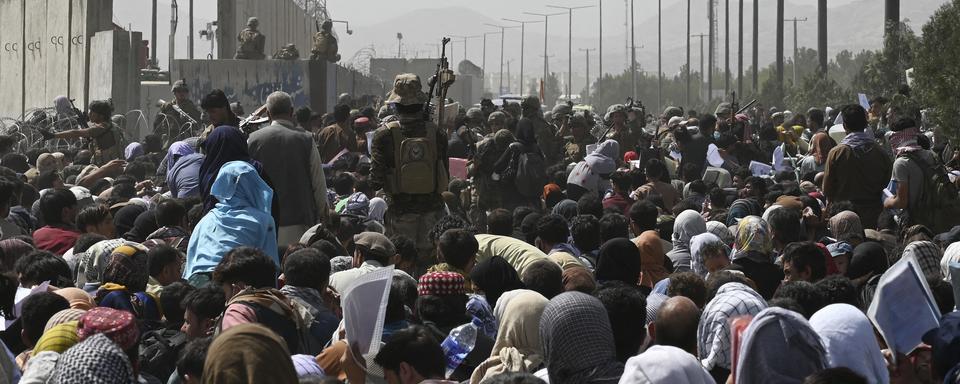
column 458, row 345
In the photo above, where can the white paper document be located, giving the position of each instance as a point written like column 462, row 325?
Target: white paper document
column 903, row 308
column 364, row 306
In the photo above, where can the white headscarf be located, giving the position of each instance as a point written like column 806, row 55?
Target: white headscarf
column 664, row 364
column 951, row 255
column 697, row 243
column 378, row 208
column 779, row 347
column 847, row 335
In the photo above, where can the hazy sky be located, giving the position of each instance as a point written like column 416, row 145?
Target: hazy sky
column 370, row 13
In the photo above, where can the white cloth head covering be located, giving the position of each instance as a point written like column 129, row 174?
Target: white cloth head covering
column 721, row 230
column 664, row 364
column 688, row 224
column 517, row 348
column 951, row 255
column 779, row 347
column 847, row 335
column 713, row 334
column 697, row 244
column 378, row 208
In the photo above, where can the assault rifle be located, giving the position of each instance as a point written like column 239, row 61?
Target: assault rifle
column 445, row 77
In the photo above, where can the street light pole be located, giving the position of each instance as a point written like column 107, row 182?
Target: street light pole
column 633, row 56
column 570, row 45
column 600, row 41
column 688, row 55
column 701, row 36
column 546, row 21
column 464, row 39
column 587, row 50
column 502, row 35
column 523, row 32
column 796, row 53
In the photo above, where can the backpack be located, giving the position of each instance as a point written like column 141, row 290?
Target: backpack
column 417, row 167
column 159, row 350
column 531, row 174
column 938, row 207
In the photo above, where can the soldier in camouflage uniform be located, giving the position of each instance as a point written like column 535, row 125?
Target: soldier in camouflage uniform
column 625, row 135
column 288, row 52
column 475, row 122
column 411, row 213
column 576, row 147
column 482, row 169
column 169, row 123
column 251, row 42
column 325, row 45
column 497, row 121
column 546, row 134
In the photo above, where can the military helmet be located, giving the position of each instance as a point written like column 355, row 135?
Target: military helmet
column 616, row 108
column 723, row 109
column 253, row 22
column 503, row 137
column 560, row 110
column 407, row 90
column 474, row 114
column 497, row 118
column 672, row 112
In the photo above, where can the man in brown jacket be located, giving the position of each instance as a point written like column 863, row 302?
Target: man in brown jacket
column 858, row 169
column 338, row 136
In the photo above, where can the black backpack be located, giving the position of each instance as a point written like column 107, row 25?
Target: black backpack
column 938, row 207
column 531, row 174
column 159, row 350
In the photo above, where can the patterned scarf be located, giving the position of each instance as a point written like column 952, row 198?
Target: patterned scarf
column 713, row 334
column 859, row 141
column 904, row 141
column 577, row 340
column 95, row 360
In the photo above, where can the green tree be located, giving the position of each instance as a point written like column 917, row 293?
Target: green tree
column 936, row 70
column 550, row 93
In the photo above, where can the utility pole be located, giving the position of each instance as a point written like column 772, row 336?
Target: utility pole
column 523, row 29
column 174, row 18
column 399, row 43
column 740, row 52
column 546, row 20
column 190, row 32
column 570, row 44
column 153, row 36
column 822, row 35
column 633, row 55
column 756, row 47
column 688, row 55
column 796, row 52
column 711, row 11
column 701, row 36
column 600, row 41
column 464, row 39
column 779, row 84
column 659, row 55
column 587, row 50
column 502, row 35
column 483, row 68
column 726, row 49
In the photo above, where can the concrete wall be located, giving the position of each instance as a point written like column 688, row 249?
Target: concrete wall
column 281, row 22
column 151, row 92
column 251, row 81
column 43, row 50
column 114, row 73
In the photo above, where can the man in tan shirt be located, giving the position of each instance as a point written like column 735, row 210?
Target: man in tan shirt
column 334, row 138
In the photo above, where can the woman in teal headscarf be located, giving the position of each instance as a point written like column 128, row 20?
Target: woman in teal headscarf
column 240, row 218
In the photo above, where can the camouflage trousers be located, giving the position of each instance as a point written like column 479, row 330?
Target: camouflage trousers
column 416, row 226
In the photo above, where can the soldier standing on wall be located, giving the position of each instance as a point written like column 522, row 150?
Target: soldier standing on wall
column 325, row 45
column 251, row 42
column 409, row 161
column 176, row 114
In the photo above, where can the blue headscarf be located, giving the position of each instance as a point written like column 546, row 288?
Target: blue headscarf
column 223, row 145
column 240, row 218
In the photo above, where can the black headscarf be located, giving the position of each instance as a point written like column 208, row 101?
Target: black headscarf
column 126, row 217
column 143, row 226
column 223, row 145
column 619, row 260
column 494, row 276
column 869, row 258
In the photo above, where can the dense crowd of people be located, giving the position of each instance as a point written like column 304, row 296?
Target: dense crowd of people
column 524, row 247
